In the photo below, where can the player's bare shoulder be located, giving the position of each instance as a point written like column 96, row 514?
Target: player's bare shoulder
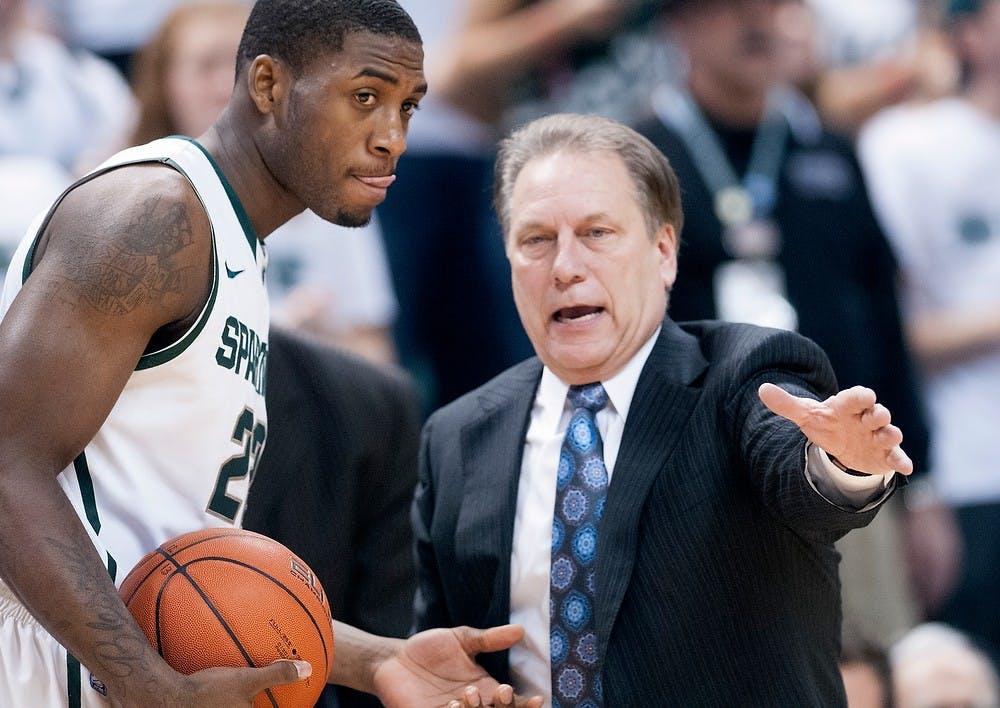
column 134, row 238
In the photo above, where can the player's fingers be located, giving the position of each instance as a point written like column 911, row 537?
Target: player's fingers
column 278, row 673
column 779, row 401
column 476, row 641
column 876, row 417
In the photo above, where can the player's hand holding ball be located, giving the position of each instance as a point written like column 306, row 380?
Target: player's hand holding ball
column 233, row 598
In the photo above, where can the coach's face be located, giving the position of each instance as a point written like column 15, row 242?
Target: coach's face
column 589, row 280
column 337, row 134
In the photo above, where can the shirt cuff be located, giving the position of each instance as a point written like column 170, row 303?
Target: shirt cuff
column 842, row 489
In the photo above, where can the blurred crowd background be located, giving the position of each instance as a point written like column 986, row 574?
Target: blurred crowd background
column 840, row 164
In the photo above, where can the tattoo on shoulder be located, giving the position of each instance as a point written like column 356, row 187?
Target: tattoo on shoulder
column 144, row 263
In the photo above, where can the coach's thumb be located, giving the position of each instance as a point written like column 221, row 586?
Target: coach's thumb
column 284, row 671
column 781, row 402
column 476, row 641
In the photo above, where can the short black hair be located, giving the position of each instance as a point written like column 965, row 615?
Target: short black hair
column 298, row 31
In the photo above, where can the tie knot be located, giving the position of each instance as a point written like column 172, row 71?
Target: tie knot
column 591, row 396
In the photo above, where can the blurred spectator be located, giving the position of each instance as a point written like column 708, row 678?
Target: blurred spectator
column 609, row 69
column 877, row 54
column 334, row 283
column 342, row 436
column 28, row 185
column 69, row 107
column 779, row 231
column 325, row 279
column 864, row 666
column 799, row 56
column 184, row 74
column 935, row 666
column 934, row 179
column 113, row 29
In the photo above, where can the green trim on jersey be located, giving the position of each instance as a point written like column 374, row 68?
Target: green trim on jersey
column 74, row 688
column 248, row 230
column 30, row 258
column 86, row 483
column 147, row 361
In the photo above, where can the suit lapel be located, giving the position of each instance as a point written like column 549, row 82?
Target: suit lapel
column 492, row 446
column 661, row 406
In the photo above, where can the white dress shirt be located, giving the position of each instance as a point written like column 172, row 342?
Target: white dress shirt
column 536, row 493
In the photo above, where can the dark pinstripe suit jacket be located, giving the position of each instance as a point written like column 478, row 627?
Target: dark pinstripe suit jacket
column 717, row 577
column 335, row 482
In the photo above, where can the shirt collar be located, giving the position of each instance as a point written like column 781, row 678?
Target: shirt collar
column 551, row 398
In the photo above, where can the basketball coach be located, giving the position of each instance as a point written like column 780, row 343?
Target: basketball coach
column 642, row 497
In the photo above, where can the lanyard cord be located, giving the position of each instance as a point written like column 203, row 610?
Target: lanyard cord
column 737, row 202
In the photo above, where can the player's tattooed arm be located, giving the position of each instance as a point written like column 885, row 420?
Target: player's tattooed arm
column 144, row 264
column 122, row 648
column 115, row 267
column 140, row 245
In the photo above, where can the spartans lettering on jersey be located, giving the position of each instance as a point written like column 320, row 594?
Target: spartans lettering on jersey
column 243, row 352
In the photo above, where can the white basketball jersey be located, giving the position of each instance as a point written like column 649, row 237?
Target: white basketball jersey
column 180, row 445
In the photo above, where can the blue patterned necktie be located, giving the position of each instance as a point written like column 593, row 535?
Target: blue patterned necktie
column 581, row 487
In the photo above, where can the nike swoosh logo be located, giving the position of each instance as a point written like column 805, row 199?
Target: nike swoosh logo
column 233, row 273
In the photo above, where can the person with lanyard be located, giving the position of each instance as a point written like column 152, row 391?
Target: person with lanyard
column 779, row 231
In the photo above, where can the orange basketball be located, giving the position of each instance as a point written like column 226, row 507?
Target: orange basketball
column 230, row 597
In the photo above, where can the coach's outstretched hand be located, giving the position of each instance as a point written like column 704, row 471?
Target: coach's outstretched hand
column 851, row 426
column 435, row 668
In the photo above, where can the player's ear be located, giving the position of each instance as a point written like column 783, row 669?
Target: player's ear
column 267, row 82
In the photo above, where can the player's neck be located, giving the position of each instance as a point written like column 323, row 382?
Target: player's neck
column 983, row 92
column 734, row 106
column 267, row 203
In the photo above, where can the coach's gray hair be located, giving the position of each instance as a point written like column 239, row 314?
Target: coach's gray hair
column 656, row 185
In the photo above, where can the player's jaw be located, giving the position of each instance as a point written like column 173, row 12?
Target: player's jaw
column 360, row 191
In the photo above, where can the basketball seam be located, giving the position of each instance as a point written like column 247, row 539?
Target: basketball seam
column 146, row 577
column 270, row 577
column 182, row 570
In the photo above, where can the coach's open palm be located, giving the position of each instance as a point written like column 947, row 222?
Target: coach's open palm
column 851, row 426
column 435, row 666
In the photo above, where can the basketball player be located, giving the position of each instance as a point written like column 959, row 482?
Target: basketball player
column 133, row 356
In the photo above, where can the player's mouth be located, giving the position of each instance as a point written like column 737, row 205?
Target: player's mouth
column 578, row 314
column 376, row 186
column 377, row 181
